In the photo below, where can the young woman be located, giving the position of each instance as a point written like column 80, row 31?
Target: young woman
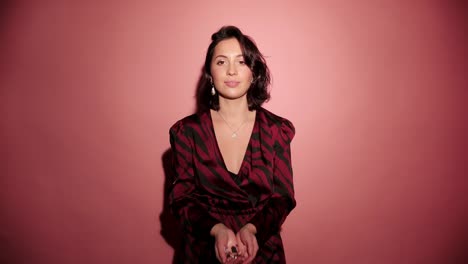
column 234, row 186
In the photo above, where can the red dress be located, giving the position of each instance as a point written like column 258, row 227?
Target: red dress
column 205, row 193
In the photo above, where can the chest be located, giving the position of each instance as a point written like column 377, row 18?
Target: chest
column 233, row 144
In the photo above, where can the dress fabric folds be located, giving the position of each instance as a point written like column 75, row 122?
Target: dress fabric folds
column 205, row 193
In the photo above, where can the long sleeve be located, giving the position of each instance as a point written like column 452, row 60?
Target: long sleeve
column 194, row 218
column 268, row 221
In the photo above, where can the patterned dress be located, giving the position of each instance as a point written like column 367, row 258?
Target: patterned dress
column 205, row 193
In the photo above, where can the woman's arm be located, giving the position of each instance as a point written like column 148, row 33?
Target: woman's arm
column 269, row 220
column 194, row 218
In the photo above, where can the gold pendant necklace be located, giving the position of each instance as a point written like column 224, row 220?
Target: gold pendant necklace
column 234, row 131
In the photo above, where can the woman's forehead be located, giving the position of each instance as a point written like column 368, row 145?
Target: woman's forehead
column 229, row 47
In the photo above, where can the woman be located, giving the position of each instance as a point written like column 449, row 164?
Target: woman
column 233, row 187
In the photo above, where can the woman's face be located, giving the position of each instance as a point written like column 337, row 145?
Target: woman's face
column 231, row 76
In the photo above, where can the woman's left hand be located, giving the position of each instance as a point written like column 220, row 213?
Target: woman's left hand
column 225, row 243
column 248, row 242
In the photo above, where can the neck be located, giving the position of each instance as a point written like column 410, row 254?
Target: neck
column 234, row 109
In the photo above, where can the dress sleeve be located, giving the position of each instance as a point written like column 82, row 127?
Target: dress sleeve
column 194, row 218
column 268, row 221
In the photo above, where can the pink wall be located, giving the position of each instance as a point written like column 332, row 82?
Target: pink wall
column 89, row 90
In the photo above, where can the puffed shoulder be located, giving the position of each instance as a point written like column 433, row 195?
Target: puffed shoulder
column 284, row 127
column 287, row 130
column 181, row 125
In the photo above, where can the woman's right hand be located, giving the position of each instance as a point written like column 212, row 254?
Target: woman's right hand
column 225, row 240
column 248, row 242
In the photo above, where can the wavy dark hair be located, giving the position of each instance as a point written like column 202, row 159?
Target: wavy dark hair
column 258, row 92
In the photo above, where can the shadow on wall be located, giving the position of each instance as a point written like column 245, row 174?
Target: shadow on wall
column 5, row 6
column 10, row 241
column 170, row 228
column 203, row 92
column 461, row 255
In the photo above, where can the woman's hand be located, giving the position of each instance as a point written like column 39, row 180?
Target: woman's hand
column 226, row 244
column 248, row 242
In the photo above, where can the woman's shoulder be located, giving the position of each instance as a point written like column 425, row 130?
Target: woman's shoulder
column 190, row 121
column 278, row 123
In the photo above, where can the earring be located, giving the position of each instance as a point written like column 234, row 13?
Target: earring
column 213, row 90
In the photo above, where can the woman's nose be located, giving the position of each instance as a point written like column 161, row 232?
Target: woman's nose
column 232, row 70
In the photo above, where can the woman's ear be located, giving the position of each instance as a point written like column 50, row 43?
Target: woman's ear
column 207, row 76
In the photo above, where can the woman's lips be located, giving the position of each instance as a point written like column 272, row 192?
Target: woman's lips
column 231, row 84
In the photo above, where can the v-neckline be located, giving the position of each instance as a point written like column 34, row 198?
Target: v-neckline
column 246, row 149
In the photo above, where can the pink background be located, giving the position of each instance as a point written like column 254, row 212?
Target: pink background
column 89, row 90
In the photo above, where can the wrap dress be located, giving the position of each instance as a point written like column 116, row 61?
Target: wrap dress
column 205, row 193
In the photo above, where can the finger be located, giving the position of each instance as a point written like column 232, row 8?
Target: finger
column 221, row 253
column 239, row 260
column 252, row 248
column 254, row 251
column 245, row 244
column 246, row 254
column 217, row 254
column 231, row 247
column 248, row 260
column 242, row 250
column 255, row 248
column 241, row 246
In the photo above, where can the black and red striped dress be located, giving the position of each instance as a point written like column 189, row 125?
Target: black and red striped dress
column 205, row 193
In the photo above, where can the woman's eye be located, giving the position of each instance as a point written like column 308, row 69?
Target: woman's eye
column 220, row 62
column 242, row 62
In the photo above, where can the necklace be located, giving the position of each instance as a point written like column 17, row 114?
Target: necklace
column 234, row 131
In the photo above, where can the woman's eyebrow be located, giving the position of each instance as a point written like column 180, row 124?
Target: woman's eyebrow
column 224, row 56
